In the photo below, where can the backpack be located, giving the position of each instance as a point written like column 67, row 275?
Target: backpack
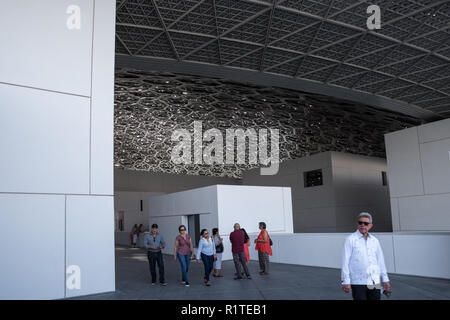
column 271, row 243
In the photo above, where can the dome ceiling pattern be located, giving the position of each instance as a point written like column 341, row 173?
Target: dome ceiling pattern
column 149, row 107
column 326, row 41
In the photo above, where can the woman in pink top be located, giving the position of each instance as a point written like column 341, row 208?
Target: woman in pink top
column 184, row 252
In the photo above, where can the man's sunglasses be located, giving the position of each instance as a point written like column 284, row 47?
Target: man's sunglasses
column 364, row 223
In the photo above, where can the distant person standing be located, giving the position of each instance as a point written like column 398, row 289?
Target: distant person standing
column 139, row 231
column 263, row 246
column 207, row 251
column 154, row 242
column 363, row 263
column 183, row 252
column 218, row 241
column 133, row 236
column 246, row 245
column 237, row 247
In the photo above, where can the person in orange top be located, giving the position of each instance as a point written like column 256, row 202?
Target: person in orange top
column 246, row 245
column 263, row 248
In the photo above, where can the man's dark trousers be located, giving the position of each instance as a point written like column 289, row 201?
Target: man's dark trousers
column 153, row 259
column 362, row 292
column 240, row 256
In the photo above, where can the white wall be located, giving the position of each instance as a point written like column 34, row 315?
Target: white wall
column 169, row 211
column 32, row 246
column 56, row 168
column 221, row 206
column 90, row 242
column 248, row 205
column 130, row 204
column 419, row 175
column 421, row 254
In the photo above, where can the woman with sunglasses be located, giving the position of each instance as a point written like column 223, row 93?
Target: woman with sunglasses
column 183, row 251
column 207, row 251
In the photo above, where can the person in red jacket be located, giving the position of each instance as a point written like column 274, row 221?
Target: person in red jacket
column 264, row 249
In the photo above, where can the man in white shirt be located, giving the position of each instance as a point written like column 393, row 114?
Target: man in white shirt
column 363, row 263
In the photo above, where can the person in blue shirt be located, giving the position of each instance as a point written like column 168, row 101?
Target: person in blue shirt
column 154, row 242
column 207, row 251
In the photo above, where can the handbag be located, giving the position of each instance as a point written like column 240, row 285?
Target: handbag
column 219, row 248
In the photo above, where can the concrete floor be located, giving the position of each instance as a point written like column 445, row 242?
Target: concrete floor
column 284, row 282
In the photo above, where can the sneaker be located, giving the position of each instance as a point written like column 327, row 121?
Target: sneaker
column 183, row 282
column 153, row 283
column 249, row 277
column 164, row 284
column 208, row 283
column 186, row 284
column 237, row 278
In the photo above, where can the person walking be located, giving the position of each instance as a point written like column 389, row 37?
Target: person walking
column 263, row 246
column 207, row 251
column 133, row 236
column 183, row 252
column 237, row 247
column 218, row 241
column 154, row 242
column 363, row 263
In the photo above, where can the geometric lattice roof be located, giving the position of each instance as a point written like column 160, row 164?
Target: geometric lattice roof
column 327, row 41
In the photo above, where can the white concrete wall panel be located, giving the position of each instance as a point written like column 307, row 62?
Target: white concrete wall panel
column 32, row 246
column 319, row 249
column 90, row 242
column 395, row 215
column 40, row 51
column 249, row 205
column 195, row 201
column 45, row 136
column 404, row 167
column 434, row 131
column 435, row 157
column 424, row 254
column 287, row 208
column 425, row 213
column 102, row 106
column 129, row 203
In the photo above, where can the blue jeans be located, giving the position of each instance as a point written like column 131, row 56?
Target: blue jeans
column 208, row 262
column 185, row 261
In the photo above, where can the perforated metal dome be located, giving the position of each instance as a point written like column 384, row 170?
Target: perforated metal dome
column 325, row 41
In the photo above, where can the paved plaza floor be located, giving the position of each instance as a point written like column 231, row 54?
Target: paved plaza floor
column 284, row 282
